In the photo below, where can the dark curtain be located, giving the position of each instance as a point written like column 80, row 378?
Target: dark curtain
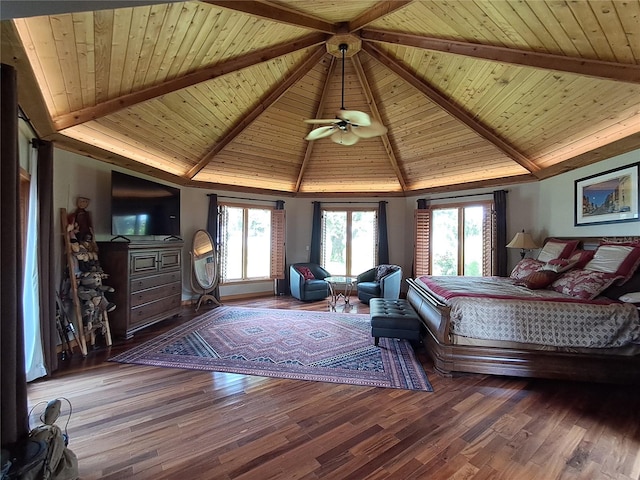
column 13, row 383
column 212, row 228
column 46, row 255
column 500, row 205
column 212, row 219
column 423, row 204
column 316, row 234
column 383, row 240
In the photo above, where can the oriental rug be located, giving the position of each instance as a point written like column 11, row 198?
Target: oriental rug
column 293, row 344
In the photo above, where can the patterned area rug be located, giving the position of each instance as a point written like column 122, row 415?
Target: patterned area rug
column 320, row 346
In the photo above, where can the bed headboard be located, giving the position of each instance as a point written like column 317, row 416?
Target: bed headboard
column 591, row 243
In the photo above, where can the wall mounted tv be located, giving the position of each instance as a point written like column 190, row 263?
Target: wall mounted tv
column 143, row 207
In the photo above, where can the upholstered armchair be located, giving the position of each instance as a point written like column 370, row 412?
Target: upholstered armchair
column 383, row 281
column 307, row 282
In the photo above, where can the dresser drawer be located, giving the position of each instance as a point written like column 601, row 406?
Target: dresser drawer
column 144, row 283
column 161, row 307
column 169, row 260
column 155, row 293
column 143, row 262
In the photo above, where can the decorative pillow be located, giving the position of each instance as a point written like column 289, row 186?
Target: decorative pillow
column 526, row 267
column 583, row 284
column 559, row 265
column 538, row 280
column 383, row 271
column 621, row 259
column 555, row 248
column 306, row 273
column 581, row 257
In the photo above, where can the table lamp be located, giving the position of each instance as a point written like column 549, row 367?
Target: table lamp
column 523, row 241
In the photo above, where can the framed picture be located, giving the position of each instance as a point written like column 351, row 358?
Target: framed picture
column 608, row 197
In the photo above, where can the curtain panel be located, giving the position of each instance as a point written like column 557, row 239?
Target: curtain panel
column 46, row 256
column 315, row 251
column 500, row 205
column 212, row 228
column 383, row 239
column 13, row 383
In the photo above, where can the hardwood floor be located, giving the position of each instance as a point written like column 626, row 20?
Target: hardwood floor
column 141, row 422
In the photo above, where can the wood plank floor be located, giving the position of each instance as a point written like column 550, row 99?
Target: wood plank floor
column 141, row 422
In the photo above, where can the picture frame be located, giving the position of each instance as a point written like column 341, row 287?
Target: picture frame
column 608, row 197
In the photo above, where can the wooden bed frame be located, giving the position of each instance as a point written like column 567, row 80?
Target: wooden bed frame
column 520, row 362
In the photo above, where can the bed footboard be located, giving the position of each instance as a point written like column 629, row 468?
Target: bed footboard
column 434, row 314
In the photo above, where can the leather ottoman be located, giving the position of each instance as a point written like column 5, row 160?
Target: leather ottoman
column 394, row 318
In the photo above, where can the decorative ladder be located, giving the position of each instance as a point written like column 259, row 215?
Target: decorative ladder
column 83, row 331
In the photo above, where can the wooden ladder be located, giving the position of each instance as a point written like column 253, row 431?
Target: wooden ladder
column 83, row 330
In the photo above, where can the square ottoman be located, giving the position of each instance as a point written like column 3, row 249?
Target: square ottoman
column 394, row 318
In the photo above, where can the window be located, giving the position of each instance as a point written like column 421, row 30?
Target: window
column 349, row 240
column 251, row 243
column 455, row 240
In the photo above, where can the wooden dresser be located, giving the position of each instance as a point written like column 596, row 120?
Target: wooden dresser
column 147, row 278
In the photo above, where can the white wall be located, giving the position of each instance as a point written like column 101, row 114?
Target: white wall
column 542, row 208
column 556, row 202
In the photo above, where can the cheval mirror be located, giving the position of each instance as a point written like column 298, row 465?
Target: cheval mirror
column 204, row 268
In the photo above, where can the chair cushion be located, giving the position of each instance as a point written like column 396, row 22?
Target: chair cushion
column 315, row 285
column 370, row 288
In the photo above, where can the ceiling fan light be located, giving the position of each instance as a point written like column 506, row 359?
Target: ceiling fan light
column 345, row 137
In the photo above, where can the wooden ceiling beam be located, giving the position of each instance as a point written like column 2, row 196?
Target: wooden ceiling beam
column 276, row 13
column 449, row 107
column 379, row 10
column 259, row 56
column 319, row 114
column 581, row 66
column 368, row 93
column 280, row 90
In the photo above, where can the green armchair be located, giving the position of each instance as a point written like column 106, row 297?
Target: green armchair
column 383, row 281
column 313, row 287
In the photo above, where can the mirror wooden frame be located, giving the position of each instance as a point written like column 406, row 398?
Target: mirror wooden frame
column 204, row 267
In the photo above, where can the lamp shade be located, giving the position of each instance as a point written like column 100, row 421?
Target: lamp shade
column 523, row 241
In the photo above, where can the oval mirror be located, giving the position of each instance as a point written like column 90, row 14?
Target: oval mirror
column 205, row 269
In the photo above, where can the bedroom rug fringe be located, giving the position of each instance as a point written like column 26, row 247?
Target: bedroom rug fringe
column 318, row 346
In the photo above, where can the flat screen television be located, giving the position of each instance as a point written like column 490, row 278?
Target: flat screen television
column 143, row 207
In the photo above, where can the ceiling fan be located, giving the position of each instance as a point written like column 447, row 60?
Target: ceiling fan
column 349, row 126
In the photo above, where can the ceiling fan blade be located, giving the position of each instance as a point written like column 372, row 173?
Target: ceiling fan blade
column 374, row 130
column 322, row 120
column 321, row 132
column 345, row 137
column 354, row 117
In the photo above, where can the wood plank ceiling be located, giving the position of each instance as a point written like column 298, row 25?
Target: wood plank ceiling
column 215, row 93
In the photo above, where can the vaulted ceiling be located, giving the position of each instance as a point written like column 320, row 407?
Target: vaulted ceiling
column 215, row 93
